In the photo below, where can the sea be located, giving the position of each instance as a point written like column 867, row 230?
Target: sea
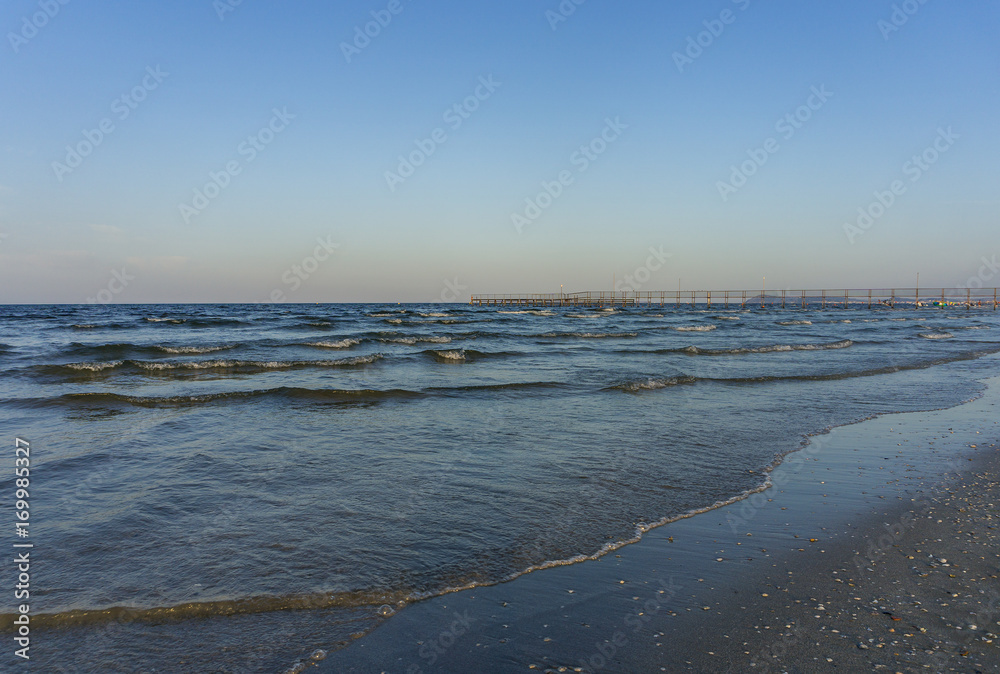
column 247, row 488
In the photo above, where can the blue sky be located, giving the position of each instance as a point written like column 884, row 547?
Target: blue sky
column 310, row 128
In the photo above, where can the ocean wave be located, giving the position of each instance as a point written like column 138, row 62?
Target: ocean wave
column 123, row 348
column 199, row 365
column 794, row 322
column 334, row 396
column 94, row 367
column 451, row 356
column 936, row 335
column 435, row 314
column 284, row 392
column 339, row 344
column 195, row 349
column 726, row 318
column 415, row 340
column 464, row 355
column 770, row 348
column 653, row 383
column 195, row 322
column 587, row 335
column 486, row 388
column 532, row 312
column 210, row 609
column 695, row 328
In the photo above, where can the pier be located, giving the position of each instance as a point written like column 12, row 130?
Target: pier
column 869, row 298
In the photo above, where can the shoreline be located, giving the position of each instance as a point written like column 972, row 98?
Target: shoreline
column 681, row 572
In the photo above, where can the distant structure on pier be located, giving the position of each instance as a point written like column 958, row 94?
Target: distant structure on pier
column 893, row 298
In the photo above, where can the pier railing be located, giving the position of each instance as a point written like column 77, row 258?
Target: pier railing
column 897, row 298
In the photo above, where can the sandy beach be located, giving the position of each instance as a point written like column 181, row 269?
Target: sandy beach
column 876, row 549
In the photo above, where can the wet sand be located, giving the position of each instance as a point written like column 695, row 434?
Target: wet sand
column 875, row 550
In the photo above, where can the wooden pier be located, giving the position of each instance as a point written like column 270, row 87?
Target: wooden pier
column 893, row 298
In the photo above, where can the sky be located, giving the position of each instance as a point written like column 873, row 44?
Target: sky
column 410, row 151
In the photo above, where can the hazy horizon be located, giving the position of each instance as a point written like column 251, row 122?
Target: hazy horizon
column 230, row 152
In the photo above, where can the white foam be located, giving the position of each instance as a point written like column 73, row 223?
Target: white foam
column 771, row 348
column 195, row 349
column 456, row 355
column 653, row 384
column 95, row 367
column 533, row 312
column 695, row 328
column 415, row 340
column 341, row 344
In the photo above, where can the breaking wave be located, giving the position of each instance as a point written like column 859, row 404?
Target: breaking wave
column 653, row 383
column 339, row 344
column 415, row 340
column 200, row 365
column 770, row 348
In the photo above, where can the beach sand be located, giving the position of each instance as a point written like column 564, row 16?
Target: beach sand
column 875, row 550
